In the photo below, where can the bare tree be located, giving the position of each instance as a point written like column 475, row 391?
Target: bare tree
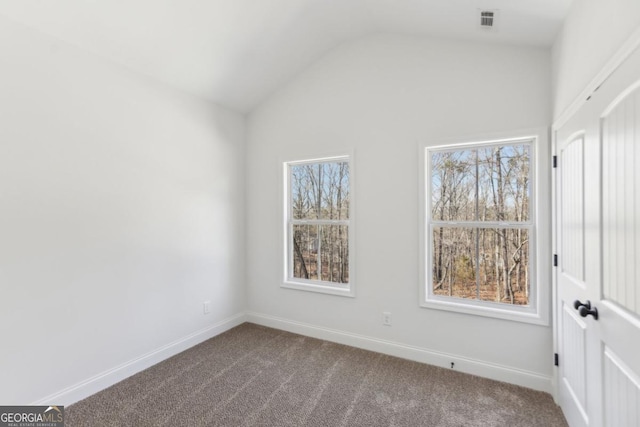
column 319, row 195
column 478, row 185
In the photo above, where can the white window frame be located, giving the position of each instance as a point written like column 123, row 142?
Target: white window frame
column 537, row 311
column 321, row 286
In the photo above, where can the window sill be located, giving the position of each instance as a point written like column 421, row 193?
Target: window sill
column 493, row 310
column 319, row 287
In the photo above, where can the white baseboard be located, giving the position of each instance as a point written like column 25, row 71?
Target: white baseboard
column 112, row 376
column 475, row 367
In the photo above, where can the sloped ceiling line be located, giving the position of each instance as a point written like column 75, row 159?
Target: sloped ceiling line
column 237, row 52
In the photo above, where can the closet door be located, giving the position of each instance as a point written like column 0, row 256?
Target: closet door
column 598, row 242
column 576, row 206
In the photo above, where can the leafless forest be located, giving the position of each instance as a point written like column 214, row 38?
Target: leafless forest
column 319, row 212
column 480, row 208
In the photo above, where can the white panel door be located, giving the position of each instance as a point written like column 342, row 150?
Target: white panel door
column 597, row 218
column 574, row 333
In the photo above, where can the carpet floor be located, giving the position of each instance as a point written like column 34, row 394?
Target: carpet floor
column 257, row 376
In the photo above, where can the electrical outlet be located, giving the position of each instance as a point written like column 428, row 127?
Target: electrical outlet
column 386, row 318
column 206, row 307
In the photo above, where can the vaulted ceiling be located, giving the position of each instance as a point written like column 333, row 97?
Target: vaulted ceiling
column 237, row 52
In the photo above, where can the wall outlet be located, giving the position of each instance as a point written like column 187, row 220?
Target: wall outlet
column 386, row 318
column 206, row 307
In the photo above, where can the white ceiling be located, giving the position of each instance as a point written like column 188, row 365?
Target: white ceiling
column 237, row 52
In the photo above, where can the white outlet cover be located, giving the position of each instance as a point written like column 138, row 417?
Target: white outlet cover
column 386, row 318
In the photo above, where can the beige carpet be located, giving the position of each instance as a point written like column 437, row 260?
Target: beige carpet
column 257, row 376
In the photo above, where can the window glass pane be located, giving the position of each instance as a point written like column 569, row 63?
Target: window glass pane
column 320, row 190
column 334, row 253
column 305, row 251
column 334, row 179
column 304, row 192
column 504, row 183
column 321, row 252
column 504, row 260
column 453, row 185
column 454, row 262
column 487, row 264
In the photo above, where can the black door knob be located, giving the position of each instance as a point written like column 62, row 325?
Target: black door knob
column 584, row 312
column 577, row 304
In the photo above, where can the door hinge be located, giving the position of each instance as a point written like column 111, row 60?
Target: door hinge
column 556, row 359
column 555, row 161
column 555, row 260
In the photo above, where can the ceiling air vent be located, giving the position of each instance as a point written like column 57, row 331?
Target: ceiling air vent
column 488, row 20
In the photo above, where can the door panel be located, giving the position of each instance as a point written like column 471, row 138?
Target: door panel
column 574, row 349
column 621, row 392
column 621, row 206
column 572, row 210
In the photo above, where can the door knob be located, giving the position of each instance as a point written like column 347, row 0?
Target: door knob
column 586, row 311
column 577, row 304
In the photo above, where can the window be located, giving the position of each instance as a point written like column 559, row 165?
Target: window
column 318, row 232
column 480, row 228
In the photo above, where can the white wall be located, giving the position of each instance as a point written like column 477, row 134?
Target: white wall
column 592, row 33
column 383, row 96
column 121, row 211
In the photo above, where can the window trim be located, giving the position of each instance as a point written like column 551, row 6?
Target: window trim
column 320, row 286
column 537, row 312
